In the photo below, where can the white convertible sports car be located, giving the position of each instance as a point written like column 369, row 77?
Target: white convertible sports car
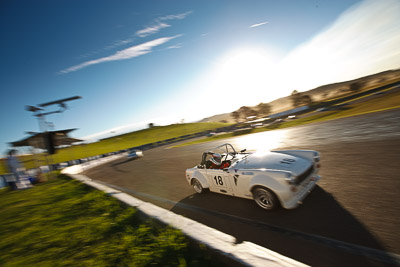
column 270, row 178
column 135, row 154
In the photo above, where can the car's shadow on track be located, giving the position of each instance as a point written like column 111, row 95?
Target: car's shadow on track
column 121, row 162
column 118, row 163
column 320, row 220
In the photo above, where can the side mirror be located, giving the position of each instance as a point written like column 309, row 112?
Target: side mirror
column 243, row 150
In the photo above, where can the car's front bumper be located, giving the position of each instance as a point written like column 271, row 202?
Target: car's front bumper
column 303, row 190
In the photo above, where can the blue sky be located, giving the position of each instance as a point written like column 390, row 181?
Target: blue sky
column 135, row 62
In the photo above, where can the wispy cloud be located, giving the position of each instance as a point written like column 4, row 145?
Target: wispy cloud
column 119, row 43
column 109, row 47
column 158, row 24
column 131, row 52
column 258, row 24
column 152, row 29
column 178, row 16
column 364, row 40
column 176, row 46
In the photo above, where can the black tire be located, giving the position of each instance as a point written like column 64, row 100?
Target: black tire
column 265, row 198
column 197, row 186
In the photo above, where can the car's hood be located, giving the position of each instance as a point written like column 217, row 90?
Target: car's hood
column 275, row 161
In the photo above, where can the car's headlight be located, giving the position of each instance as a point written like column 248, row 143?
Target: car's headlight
column 290, row 179
column 316, row 157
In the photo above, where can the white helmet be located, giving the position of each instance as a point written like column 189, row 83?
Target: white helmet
column 216, row 159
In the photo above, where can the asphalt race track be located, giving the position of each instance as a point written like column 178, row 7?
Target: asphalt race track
column 351, row 218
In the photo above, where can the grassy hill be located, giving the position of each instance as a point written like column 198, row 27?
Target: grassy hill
column 323, row 93
column 116, row 143
column 159, row 133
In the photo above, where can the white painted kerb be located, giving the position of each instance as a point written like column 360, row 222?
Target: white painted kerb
column 246, row 253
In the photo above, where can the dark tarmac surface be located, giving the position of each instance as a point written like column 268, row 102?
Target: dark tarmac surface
column 353, row 209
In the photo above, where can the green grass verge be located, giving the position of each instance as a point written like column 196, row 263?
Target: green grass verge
column 65, row 223
column 384, row 102
column 132, row 139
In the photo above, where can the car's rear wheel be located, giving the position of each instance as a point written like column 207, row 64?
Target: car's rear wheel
column 265, row 198
column 197, row 186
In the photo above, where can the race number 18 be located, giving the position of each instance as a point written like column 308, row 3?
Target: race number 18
column 218, row 180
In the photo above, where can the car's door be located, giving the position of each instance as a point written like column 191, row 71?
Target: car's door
column 219, row 181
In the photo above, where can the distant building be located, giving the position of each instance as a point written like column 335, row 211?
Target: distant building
column 36, row 140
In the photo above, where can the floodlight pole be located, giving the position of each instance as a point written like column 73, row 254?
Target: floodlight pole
column 43, row 128
column 41, row 116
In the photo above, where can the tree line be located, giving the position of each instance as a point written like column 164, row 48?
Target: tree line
column 265, row 109
column 298, row 99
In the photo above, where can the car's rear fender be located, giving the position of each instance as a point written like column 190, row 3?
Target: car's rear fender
column 199, row 176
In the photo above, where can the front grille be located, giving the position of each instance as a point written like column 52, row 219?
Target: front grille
column 304, row 175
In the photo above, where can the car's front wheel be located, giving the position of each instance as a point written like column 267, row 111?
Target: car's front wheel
column 265, row 198
column 197, row 186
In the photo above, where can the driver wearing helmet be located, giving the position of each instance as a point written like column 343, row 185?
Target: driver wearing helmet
column 216, row 162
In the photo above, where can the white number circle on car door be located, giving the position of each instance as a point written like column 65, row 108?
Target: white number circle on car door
column 219, row 181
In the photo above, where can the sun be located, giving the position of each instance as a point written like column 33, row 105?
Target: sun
column 244, row 76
